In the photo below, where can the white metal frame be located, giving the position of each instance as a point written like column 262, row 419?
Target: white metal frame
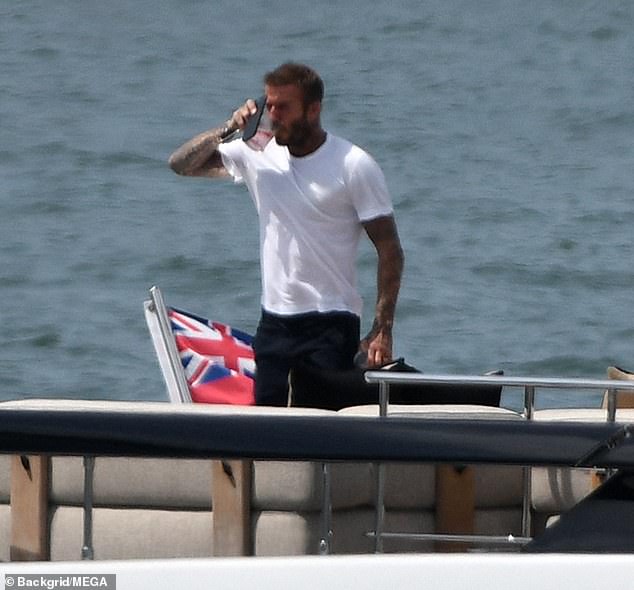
column 171, row 366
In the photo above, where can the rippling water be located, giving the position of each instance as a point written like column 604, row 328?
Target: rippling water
column 504, row 129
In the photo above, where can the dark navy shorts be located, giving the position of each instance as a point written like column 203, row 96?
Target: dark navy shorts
column 324, row 340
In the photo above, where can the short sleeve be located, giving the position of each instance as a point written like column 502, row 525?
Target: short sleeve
column 232, row 159
column 368, row 188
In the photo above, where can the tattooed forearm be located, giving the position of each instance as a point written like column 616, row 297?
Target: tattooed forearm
column 378, row 343
column 199, row 156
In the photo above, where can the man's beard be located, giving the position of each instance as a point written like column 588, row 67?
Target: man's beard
column 299, row 132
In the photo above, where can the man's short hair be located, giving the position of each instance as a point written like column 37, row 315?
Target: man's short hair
column 307, row 79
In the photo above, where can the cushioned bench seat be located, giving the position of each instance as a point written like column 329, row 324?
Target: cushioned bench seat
column 163, row 507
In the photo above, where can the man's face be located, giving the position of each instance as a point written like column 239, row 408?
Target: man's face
column 292, row 122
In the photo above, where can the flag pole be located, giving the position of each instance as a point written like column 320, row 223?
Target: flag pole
column 176, row 367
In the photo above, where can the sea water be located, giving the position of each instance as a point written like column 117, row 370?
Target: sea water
column 504, row 128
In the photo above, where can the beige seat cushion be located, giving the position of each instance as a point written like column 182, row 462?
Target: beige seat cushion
column 297, row 486
column 556, row 489
column 132, row 533
column 124, row 481
column 410, row 486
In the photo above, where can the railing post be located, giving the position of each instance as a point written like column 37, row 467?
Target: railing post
column 325, row 543
column 612, row 405
column 87, row 549
column 529, row 410
column 529, row 401
column 384, row 398
column 379, row 524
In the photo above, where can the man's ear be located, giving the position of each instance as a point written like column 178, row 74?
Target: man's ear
column 314, row 111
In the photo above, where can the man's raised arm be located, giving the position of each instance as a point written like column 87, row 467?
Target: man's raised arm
column 200, row 156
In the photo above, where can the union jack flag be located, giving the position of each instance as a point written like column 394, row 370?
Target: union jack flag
column 218, row 360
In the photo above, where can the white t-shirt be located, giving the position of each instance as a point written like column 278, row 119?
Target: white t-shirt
column 310, row 211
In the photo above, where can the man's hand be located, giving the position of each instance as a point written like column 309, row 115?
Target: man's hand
column 377, row 346
column 242, row 115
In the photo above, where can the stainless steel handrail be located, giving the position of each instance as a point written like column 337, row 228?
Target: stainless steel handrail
column 480, row 539
column 529, row 384
column 582, row 383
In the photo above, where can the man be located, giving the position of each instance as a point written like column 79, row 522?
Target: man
column 314, row 193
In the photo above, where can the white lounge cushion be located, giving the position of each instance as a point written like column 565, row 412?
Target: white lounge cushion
column 124, row 481
column 132, row 533
column 297, row 486
column 583, row 415
column 409, row 486
column 556, row 489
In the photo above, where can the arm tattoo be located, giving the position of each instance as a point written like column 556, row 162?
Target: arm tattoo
column 199, row 156
column 384, row 235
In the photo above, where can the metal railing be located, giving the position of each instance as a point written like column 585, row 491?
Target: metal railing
column 529, row 385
